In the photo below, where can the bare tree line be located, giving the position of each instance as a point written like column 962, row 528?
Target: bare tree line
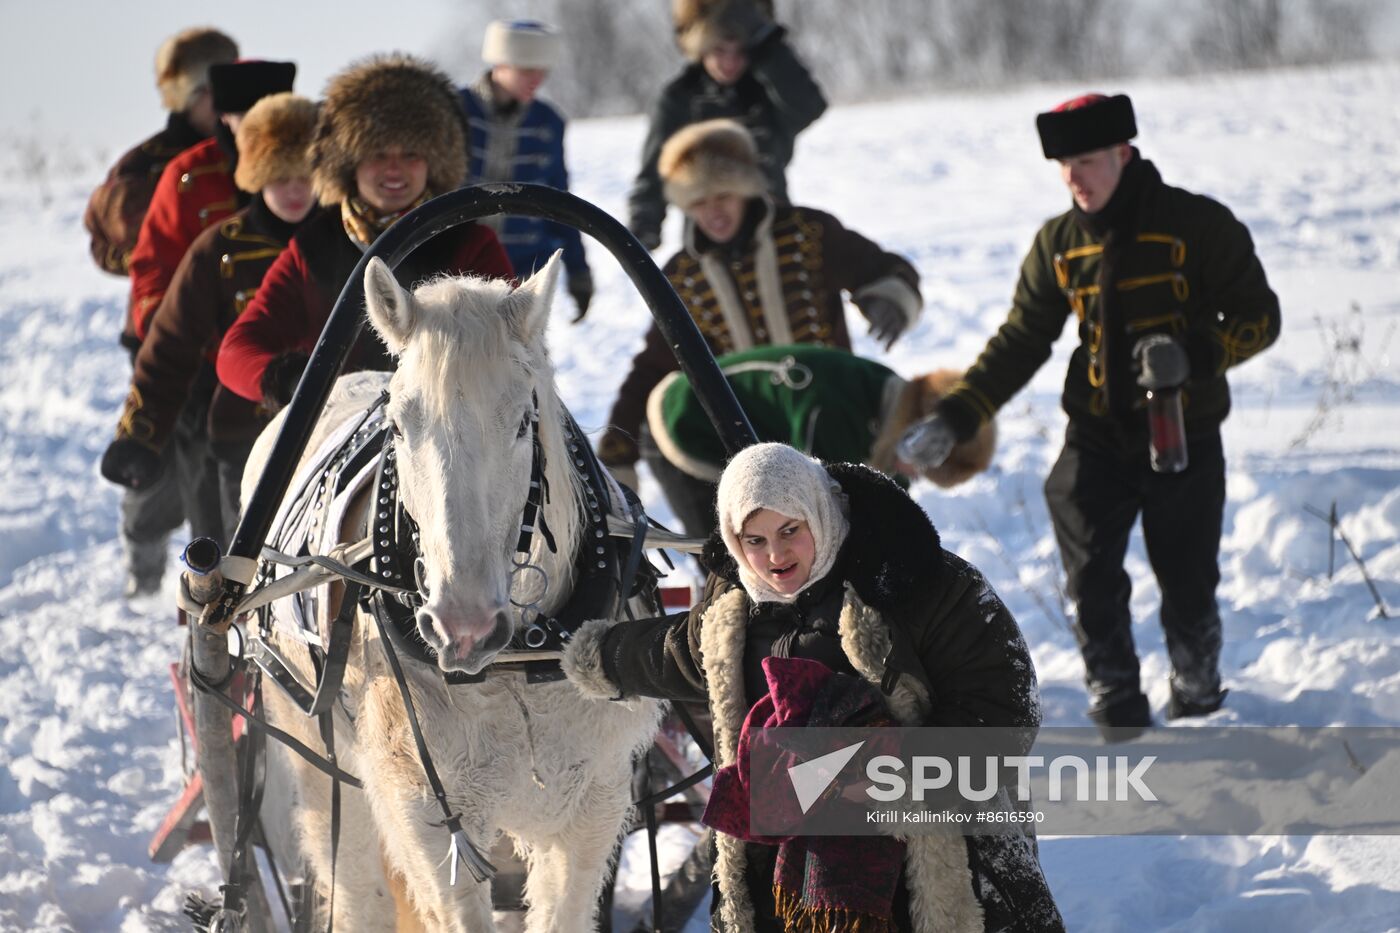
column 619, row 52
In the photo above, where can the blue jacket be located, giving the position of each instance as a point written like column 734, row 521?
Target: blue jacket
column 537, row 156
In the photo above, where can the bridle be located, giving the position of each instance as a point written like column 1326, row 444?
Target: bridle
column 540, row 639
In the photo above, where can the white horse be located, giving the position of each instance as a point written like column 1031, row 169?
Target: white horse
column 536, row 762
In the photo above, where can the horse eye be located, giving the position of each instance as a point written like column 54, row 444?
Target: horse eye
column 524, row 427
column 395, row 430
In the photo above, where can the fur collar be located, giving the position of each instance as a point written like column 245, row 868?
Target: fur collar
column 892, row 560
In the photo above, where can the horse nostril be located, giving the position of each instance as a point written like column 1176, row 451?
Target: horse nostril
column 429, row 629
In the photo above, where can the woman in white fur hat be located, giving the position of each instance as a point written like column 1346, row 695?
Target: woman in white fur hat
column 835, row 563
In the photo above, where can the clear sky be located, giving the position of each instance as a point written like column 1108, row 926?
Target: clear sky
column 83, row 70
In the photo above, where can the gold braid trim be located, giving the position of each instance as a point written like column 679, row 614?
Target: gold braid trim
column 134, row 423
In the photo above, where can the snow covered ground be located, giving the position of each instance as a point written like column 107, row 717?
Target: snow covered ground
column 1310, row 160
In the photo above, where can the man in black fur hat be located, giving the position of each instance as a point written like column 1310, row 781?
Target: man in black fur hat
column 1169, row 294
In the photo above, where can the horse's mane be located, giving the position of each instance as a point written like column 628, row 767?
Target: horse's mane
column 460, row 344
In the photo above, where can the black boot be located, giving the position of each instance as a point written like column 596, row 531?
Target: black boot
column 1180, row 707
column 1122, row 719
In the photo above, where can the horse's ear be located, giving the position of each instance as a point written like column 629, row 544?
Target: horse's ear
column 529, row 304
column 390, row 306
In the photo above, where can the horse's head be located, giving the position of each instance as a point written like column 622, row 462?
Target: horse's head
column 472, row 373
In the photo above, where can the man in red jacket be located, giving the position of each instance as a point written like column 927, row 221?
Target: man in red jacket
column 391, row 135
column 196, row 190
column 116, row 209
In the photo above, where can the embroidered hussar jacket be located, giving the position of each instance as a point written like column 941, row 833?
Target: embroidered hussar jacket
column 1182, row 265
column 914, row 617
column 214, row 282
column 118, row 205
column 194, row 193
column 782, row 285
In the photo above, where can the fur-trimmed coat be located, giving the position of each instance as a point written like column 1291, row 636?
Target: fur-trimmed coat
column 118, row 205
column 913, row 616
column 780, row 283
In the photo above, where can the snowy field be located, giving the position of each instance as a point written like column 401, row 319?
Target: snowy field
column 1310, row 160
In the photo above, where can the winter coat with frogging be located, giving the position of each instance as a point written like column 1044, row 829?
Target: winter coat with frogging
column 907, row 603
column 1180, row 265
column 213, row 285
column 118, row 205
column 195, row 192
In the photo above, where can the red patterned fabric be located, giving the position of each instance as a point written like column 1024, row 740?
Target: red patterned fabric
column 822, row 882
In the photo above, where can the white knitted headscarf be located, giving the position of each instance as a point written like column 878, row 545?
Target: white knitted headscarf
column 787, row 481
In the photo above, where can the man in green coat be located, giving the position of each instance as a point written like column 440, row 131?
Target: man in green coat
column 1168, row 294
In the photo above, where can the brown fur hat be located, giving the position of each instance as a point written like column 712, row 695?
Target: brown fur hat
column 710, row 157
column 183, row 60
column 701, row 24
column 274, row 141
column 385, row 101
column 917, row 399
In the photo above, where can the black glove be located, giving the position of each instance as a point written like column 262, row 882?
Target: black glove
column 887, row 319
column 743, row 21
column 581, row 288
column 649, row 237
column 280, row 378
column 1162, row 362
column 927, row 443
column 130, row 463
column 616, row 448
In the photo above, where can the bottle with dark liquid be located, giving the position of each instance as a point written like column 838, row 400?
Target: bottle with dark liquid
column 1167, row 442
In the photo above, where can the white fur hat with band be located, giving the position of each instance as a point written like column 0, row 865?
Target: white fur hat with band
column 520, row 43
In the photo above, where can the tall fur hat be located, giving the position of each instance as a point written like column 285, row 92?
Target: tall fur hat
column 385, row 101
column 521, row 43
column 710, row 157
column 183, row 60
column 274, row 141
column 918, row 398
column 701, row 24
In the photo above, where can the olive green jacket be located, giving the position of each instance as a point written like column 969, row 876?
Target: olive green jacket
column 1188, row 270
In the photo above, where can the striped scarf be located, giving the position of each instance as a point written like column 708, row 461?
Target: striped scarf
column 363, row 224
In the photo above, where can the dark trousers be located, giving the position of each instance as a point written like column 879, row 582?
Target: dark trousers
column 188, row 488
column 693, row 500
column 1095, row 492
column 230, row 460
